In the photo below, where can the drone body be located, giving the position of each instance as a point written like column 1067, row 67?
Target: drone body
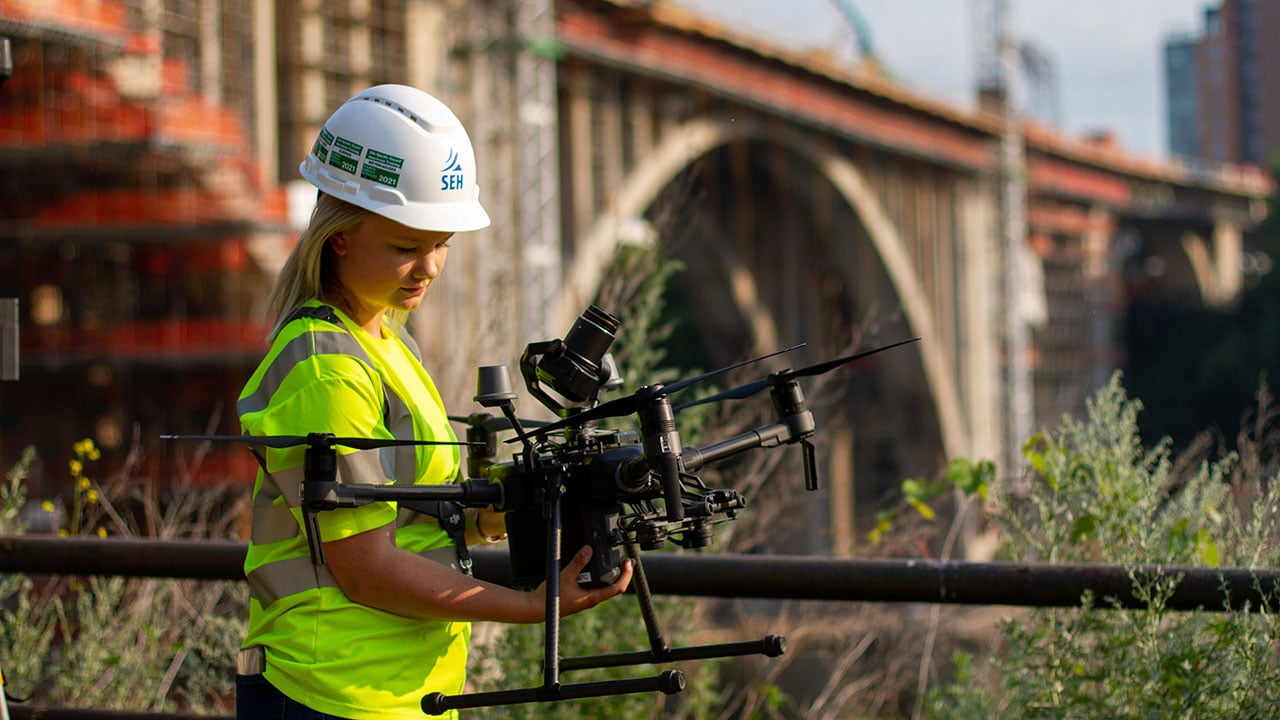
column 572, row 484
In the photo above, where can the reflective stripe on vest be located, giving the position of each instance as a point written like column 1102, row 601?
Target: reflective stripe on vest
column 303, row 347
column 283, row 578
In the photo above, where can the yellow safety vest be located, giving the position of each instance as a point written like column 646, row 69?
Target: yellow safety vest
column 324, row 373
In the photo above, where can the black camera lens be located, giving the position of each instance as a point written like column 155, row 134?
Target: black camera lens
column 573, row 369
column 590, row 337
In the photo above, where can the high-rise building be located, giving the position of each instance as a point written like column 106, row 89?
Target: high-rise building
column 1222, row 86
column 1180, row 95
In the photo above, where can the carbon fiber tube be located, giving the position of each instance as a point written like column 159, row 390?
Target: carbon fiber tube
column 668, row 682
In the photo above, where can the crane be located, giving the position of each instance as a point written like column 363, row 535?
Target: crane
column 1036, row 68
column 861, row 30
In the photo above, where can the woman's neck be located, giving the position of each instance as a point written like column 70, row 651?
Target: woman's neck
column 369, row 320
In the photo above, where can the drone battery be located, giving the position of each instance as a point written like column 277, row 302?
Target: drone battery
column 582, row 523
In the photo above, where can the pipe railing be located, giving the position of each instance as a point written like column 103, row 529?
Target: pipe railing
column 780, row 577
column 776, row 577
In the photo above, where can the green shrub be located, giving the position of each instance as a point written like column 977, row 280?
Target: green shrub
column 117, row 643
column 28, row 619
column 1097, row 495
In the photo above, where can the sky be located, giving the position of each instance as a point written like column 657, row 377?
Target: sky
column 1107, row 55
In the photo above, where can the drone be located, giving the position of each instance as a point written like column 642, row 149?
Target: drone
column 570, row 483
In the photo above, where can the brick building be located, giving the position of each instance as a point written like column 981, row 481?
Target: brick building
column 1223, row 85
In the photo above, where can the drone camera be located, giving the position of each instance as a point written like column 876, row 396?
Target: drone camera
column 574, row 369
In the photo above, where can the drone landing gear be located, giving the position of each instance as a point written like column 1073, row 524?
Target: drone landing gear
column 658, row 652
column 668, row 682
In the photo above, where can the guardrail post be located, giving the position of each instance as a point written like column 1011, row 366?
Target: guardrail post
column 8, row 338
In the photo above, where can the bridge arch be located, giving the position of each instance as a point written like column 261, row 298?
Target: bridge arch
column 679, row 148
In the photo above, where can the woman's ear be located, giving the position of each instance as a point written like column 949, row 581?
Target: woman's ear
column 338, row 241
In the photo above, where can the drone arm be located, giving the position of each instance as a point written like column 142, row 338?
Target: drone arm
column 472, row 493
column 318, row 495
column 762, row 437
column 795, row 424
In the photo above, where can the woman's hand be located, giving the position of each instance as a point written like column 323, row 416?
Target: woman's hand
column 573, row 597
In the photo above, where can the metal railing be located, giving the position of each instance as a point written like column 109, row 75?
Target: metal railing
column 712, row 575
column 781, row 577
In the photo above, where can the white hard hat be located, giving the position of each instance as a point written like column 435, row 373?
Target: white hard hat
column 401, row 153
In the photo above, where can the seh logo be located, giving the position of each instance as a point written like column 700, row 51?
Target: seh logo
column 451, row 175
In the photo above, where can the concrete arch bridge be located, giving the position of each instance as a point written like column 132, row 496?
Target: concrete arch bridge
column 828, row 205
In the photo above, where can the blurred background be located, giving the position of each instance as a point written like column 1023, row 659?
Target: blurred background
column 1044, row 192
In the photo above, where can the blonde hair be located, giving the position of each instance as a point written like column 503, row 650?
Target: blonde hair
column 309, row 274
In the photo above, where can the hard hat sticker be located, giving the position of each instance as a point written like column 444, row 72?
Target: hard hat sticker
column 321, row 148
column 382, row 168
column 345, row 155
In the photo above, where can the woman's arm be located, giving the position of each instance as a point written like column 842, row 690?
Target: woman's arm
column 372, row 571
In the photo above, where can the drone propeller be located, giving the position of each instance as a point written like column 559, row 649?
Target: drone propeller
column 745, row 391
column 314, row 440
column 630, row 403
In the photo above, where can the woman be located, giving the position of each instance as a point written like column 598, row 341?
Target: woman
column 385, row 620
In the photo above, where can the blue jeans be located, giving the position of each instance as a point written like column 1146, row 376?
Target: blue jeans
column 257, row 699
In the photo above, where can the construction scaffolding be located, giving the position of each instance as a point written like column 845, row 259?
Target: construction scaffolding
column 132, row 201
column 148, row 149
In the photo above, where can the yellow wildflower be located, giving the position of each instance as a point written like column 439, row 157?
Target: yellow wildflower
column 91, row 496
column 102, row 533
column 47, row 506
column 76, row 466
